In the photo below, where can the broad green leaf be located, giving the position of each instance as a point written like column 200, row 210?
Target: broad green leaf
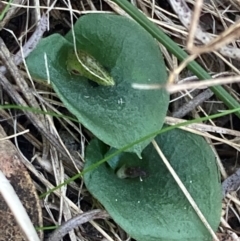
column 119, row 114
column 154, row 208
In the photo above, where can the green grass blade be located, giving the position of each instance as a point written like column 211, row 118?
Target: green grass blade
column 172, row 47
column 4, row 11
column 165, row 129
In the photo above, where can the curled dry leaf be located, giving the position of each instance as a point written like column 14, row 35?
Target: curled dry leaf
column 16, row 173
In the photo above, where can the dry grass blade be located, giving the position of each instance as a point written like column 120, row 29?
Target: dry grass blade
column 184, row 190
column 229, row 35
column 190, row 20
column 203, row 127
column 173, row 88
column 22, row 218
column 75, row 222
column 11, row 12
column 59, row 158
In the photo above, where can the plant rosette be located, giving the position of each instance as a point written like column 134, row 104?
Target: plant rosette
column 125, row 53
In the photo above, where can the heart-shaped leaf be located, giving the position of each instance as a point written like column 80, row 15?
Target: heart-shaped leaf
column 153, row 208
column 119, row 114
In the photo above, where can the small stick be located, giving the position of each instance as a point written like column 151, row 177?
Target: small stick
column 31, row 43
column 72, row 223
column 185, row 16
column 232, row 183
column 192, row 104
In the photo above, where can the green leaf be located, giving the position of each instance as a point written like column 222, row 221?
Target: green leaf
column 119, row 114
column 155, row 209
